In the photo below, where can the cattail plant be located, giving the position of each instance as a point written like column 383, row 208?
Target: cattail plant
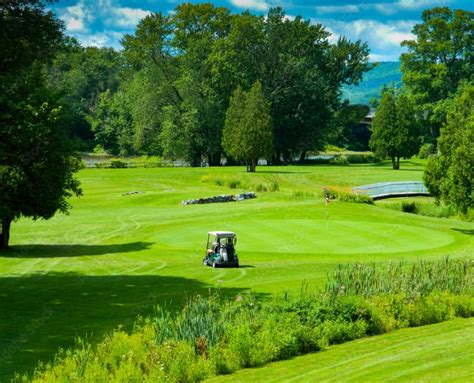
column 422, row 278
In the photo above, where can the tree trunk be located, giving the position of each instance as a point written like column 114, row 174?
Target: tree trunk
column 276, row 159
column 302, row 156
column 195, row 162
column 395, row 163
column 5, row 234
column 251, row 166
column 214, row 159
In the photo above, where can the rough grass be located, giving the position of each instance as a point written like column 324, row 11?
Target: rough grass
column 116, row 256
column 435, row 353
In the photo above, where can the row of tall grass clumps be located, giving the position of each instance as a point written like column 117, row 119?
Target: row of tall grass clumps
column 341, row 158
column 429, row 209
column 213, row 335
column 244, row 182
column 134, row 162
column 345, row 194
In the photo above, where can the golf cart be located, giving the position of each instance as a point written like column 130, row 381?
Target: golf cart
column 220, row 249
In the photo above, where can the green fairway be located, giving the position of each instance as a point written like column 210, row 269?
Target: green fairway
column 436, row 353
column 116, row 256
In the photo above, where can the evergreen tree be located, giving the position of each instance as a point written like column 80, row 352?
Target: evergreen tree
column 394, row 129
column 247, row 132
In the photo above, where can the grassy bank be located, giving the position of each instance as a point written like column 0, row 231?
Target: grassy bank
column 435, row 353
column 214, row 336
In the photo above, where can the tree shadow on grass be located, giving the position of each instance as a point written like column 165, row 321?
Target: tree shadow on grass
column 41, row 313
column 465, row 231
column 67, row 251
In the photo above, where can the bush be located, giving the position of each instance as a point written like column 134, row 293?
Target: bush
column 234, row 184
column 409, row 207
column 426, row 150
column 339, row 161
column 424, row 208
column 118, row 164
column 302, row 194
column 346, row 195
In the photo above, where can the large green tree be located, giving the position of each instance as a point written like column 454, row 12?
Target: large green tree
column 36, row 162
column 300, row 70
column 438, row 59
column 395, row 132
column 449, row 175
column 247, row 132
column 81, row 75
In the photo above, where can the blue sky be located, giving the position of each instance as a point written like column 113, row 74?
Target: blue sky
column 383, row 24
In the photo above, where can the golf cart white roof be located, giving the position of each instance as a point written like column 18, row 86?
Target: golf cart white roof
column 222, row 234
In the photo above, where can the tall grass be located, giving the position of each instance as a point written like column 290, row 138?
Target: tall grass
column 244, row 182
column 429, row 209
column 447, row 275
column 346, row 195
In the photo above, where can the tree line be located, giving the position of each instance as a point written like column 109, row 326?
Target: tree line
column 168, row 91
column 203, row 83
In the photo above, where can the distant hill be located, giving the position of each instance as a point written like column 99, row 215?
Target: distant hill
column 383, row 74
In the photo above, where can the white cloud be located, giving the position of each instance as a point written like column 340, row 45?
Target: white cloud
column 258, row 5
column 383, row 38
column 100, row 39
column 75, row 17
column 108, row 21
column 383, row 7
column 325, row 9
column 125, row 17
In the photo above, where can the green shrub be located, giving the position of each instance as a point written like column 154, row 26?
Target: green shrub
column 339, row 161
column 429, row 209
column 346, row 195
column 302, row 194
column 340, row 331
column 409, row 207
column 118, row 164
column 274, row 186
column 234, row 184
column 260, row 188
column 426, row 150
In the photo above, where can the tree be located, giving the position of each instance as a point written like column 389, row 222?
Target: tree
column 300, row 71
column 394, row 129
column 437, row 61
column 347, row 129
column 247, row 134
column 81, row 75
column 449, row 175
column 36, row 162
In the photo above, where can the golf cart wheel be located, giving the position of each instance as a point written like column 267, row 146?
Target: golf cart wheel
column 237, row 265
column 205, row 262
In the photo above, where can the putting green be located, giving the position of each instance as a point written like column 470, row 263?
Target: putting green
column 315, row 236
